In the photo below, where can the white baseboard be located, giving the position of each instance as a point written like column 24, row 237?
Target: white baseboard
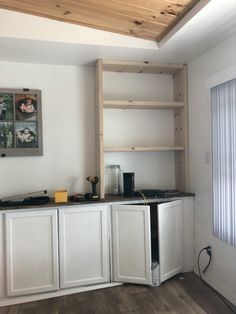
column 219, row 287
column 48, row 295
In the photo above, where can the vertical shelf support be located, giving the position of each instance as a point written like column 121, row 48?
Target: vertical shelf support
column 99, row 126
column 181, row 130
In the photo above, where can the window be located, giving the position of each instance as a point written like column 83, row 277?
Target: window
column 224, row 161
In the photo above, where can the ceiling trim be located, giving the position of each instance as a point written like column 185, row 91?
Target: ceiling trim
column 191, row 13
column 221, row 77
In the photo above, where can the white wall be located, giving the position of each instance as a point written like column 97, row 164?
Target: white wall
column 68, row 129
column 222, row 272
column 126, row 127
column 69, row 126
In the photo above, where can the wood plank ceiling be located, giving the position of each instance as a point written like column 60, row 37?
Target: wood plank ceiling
column 147, row 19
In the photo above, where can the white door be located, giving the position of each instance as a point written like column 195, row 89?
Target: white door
column 31, row 252
column 170, row 239
column 131, row 243
column 83, row 243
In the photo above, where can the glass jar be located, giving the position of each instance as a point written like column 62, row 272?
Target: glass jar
column 115, row 179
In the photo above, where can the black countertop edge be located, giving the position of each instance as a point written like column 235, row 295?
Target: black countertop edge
column 108, row 199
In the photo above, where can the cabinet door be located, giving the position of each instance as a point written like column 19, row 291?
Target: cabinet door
column 31, row 252
column 170, row 239
column 131, row 244
column 2, row 257
column 83, row 243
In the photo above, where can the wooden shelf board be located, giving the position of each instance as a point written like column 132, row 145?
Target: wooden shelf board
column 130, row 104
column 142, row 148
column 141, row 67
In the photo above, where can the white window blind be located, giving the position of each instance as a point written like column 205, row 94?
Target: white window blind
column 224, row 161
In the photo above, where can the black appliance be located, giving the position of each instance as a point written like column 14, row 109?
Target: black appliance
column 128, row 178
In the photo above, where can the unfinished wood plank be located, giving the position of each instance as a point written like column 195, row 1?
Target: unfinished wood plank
column 181, row 134
column 73, row 13
column 130, row 8
column 99, row 127
column 96, row 18
column 179, row 17
column 131, row 104
column 142, row 148
column 148, row 19
column 140, row 67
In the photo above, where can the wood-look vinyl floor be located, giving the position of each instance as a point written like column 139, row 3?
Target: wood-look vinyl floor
column 183, row 294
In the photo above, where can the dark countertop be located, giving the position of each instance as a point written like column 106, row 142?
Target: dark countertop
column 108, row 199
column 121, row 198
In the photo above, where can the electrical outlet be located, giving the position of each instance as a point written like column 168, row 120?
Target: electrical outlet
column 208, row 250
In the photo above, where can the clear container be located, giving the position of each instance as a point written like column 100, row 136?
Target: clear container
column 155, row 274
column 115, row 179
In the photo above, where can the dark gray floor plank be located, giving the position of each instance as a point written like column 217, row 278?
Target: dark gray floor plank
column 106, row 302
column 125, row 299
column 206, row 297
column 175, row 296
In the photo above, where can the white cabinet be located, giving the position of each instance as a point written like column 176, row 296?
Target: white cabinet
column 131, row 244
column 31, row 252
column 83, row 242
column 139, row 240
column 142, row 236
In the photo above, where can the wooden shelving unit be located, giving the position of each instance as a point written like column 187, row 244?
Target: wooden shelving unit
column 140, row 67
column 178, row 105
column 142, row 148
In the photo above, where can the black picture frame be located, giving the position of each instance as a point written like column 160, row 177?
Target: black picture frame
column 20, row 122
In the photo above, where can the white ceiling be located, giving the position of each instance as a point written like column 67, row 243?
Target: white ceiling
column 53, row 42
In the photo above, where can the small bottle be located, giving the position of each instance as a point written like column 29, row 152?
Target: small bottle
column 115, row 179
